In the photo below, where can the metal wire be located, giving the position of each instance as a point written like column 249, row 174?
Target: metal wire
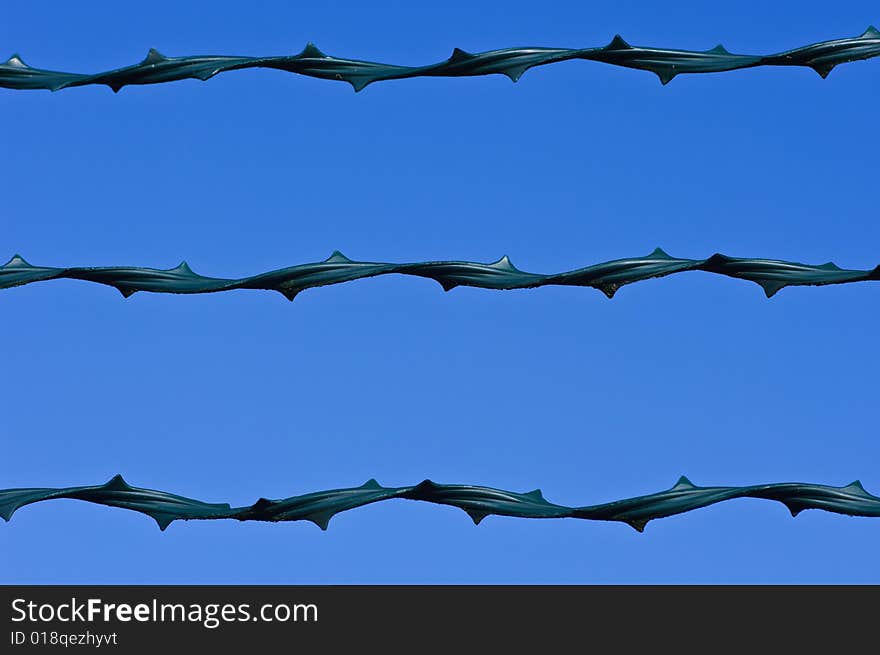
column 478, row 502
column 512, row 62
column 772, row 275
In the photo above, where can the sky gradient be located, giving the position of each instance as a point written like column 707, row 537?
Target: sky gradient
column 229, row 397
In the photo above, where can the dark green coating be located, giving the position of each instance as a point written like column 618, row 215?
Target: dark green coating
column 478, row 502
column 512, row 62
column 608, row 277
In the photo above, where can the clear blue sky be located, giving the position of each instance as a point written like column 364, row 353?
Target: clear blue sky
column 229, row 397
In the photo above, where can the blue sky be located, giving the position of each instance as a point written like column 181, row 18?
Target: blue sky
column 234, row 396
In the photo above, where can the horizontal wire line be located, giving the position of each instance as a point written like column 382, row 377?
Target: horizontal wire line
column 771, row 274
column 512, row 62
column 478, row 502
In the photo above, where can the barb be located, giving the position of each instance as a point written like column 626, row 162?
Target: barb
column 771, row 274
column 156, row 68
column 478, row 502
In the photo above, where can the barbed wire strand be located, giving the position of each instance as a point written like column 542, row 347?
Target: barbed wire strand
column 512, row 62
column 478, row 502
column 771, row 274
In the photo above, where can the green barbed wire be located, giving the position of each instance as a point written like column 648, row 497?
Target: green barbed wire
column 512, row 62
column 771, row 274
column 478, row 502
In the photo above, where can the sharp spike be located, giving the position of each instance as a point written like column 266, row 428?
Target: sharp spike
column 771, row 287
column 682, row 484
column 427, row 484
column 153, row 57
column 609, row 289
column 504, row 264
column 515, row 72
column 359, row 82
column 666, row 76
column 311, row 51
column 337, row 257
column 117, row 483
column 823, row 69
column 856, row 486
column 17, row 261
column 617, row 43
column 718, row 259
column 637, row 524
column 459, row 55
column 163, row 520
column 659, row 253
column 7, row 510
column 15, row 61
column 289, row 293
column 321, row 519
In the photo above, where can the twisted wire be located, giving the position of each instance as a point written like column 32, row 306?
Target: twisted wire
column 478, row 502
column 771, row 274
column 513, row 62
